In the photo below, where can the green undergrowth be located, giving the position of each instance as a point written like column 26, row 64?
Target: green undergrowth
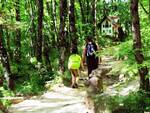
column 64, row 79
column 4, row 94
column 135, row 102
column 123, row 53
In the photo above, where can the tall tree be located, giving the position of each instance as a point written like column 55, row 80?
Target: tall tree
column 72, row 24
column 94, row 16
column 137, row 46
column 62, row 34
column 10, row 52
column 33, row 33
column 5, row 62
column 87, row 11
column 105, row 10
column 51, row 9
column 40, row 27
column 17, row 51
column 82, row 11
column 46, row 53
column 54, row 16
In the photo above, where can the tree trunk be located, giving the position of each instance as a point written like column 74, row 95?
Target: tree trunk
column 72, row 25
column 105, row 11
column 54, row 17
column 137, row 46
column 46, row 53
column 17, row 51
column 82, row 11
column 121, row 34
column 62, row 34
column 33, row 32
column 40, row 27
column 8, row 45
column 51, row 8
column 5, row 63
column 94, row 16
column 87, row 11
column 3, row 108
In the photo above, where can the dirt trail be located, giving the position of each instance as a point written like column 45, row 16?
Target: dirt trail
column 60, row 100
column 63, row 99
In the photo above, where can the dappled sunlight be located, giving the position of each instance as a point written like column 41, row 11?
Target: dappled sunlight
column 59, row 100
column 74, row 56
column 123, row 88
column 128, row 89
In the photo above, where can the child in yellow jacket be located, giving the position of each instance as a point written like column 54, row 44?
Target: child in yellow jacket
column 74, row 63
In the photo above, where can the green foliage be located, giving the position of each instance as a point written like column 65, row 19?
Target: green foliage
column 147, row 103
column 145, row 40
column 55, row 82
column 5, row 93
column 125, row 49
column 3, row 96
column 123, row 52
column 30, row 87
column 35, row 83
column 133, row 103
column 104, row 41
column 1, row 70
column 30, row 76
column 66, row 78
column 145, row 29
column 33, row 60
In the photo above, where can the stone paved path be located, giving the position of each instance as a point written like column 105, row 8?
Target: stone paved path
column 61, row 100
column 67, row 100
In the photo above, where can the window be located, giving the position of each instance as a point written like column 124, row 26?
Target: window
column 106, row 24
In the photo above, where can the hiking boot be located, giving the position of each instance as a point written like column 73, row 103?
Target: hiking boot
column 74, row 85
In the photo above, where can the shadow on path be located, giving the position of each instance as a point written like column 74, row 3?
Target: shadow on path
column 59, row 100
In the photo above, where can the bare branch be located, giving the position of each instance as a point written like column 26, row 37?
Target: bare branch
column 144, row 8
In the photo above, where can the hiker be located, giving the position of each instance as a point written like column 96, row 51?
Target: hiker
column 89, row 56
column 74, row 65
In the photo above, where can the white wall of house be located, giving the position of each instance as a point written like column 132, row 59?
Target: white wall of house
column 107, row 28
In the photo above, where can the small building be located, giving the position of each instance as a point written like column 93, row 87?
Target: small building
column 109, row 25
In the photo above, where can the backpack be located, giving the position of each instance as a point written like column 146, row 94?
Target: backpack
column 90, row 49
column 74, row 61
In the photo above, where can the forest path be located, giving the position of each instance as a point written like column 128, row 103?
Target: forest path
column 61, row 99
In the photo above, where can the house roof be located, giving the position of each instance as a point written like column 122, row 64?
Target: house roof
column 112, row 19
